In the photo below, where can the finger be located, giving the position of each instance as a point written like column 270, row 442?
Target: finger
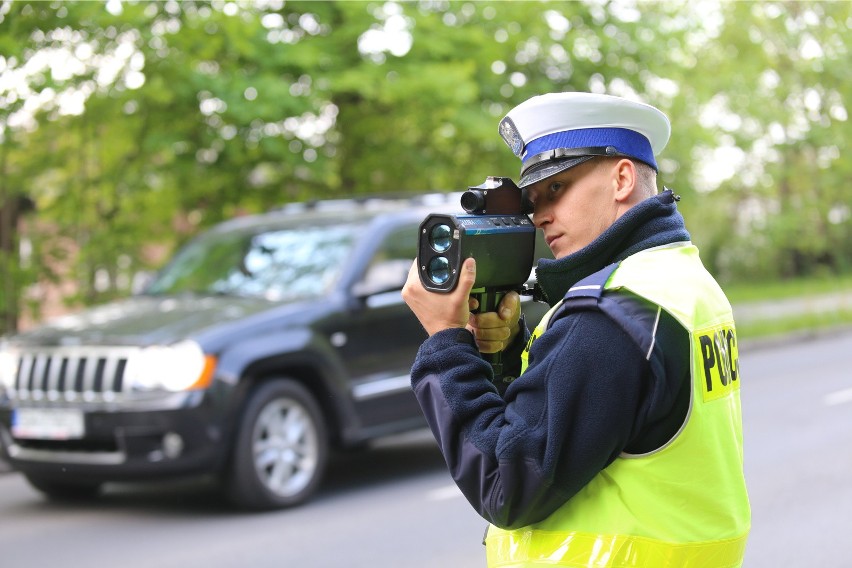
column 510, row 307
column 490, row 346
column 467, row 277
column 487, row 320
column 494, row 334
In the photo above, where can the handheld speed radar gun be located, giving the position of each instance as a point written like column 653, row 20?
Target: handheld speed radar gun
column 495, row 230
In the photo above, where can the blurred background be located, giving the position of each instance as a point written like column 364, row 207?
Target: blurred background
column 127, row 127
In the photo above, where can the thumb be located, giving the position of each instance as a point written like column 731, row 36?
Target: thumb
column 467, row 276
column 510, row 306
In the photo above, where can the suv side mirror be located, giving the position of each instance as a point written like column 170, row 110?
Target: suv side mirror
column 140, row 281
column 384, row 276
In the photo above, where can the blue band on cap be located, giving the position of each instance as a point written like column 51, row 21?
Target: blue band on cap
column 628, row 142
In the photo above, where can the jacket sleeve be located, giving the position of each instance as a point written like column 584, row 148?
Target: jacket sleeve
column 519, row 457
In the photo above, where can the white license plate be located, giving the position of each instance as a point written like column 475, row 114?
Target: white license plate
column 48, row 424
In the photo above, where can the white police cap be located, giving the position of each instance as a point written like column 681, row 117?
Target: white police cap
column 557, row 131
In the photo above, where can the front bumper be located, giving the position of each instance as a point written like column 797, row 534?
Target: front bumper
column 123, row 444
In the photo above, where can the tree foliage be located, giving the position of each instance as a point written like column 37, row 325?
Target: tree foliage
column 783, row 108
column 132, row 124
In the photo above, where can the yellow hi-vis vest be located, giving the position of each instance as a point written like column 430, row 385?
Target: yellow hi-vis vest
column 683, row 505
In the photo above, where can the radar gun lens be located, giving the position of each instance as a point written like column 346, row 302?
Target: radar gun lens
column 440, row 238
column 438, row 270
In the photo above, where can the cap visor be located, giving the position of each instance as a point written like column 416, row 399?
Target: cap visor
column 546, row 169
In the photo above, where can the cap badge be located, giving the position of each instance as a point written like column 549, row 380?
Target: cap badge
column 510, row 135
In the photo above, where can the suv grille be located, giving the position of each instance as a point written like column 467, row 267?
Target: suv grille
column 70, row 374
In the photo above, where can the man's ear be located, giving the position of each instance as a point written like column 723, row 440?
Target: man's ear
column 623, row 179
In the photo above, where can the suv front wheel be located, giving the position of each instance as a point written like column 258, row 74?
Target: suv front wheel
column 281, row 447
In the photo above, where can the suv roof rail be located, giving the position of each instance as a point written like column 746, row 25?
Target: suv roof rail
column 369, row 201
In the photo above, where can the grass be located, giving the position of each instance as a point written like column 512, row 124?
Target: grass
column 742, row 292
column 748, row 292
column 803, row 323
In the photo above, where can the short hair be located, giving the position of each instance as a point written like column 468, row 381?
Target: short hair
column 646, row 176
column 646, row 179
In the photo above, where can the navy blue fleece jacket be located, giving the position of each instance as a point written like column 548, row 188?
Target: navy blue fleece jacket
column 587, row 395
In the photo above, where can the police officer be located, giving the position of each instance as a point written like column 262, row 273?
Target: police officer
column 620, row 443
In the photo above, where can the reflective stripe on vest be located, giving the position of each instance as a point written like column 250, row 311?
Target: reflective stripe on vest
column 685, row 504
column 540, row 548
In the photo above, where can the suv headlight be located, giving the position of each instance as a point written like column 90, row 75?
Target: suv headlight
column 178, row 367
column 9, row 362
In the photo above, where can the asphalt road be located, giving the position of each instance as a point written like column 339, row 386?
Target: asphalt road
column 797, row 419
column 396, row 507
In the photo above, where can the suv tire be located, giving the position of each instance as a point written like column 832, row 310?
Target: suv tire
column 281, row 447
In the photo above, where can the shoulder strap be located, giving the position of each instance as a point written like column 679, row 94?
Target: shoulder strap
column 638, row 318
column 592, row 286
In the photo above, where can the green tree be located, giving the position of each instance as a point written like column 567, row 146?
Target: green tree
column 776, row 81
column 131, row 124
column 167, row 117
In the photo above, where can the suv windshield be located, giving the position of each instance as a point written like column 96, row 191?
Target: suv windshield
column 277, row 264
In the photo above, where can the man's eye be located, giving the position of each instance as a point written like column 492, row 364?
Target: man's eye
column 555, row 187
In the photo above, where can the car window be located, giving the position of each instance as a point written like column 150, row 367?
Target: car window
column 275, row 264
column 389, row 267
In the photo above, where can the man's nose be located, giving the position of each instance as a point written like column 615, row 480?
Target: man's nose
column 540, row 215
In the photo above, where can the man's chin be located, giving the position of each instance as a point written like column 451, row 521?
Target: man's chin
column 558, row 248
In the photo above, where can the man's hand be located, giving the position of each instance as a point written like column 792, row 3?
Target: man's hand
column 494, row 331
column 438, row 312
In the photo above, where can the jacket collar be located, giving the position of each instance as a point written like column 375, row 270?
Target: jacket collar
column 654, row 222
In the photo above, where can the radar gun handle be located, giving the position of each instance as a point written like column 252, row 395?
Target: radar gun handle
column 489, row 299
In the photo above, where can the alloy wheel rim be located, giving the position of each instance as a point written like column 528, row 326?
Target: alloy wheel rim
column 285, row 447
